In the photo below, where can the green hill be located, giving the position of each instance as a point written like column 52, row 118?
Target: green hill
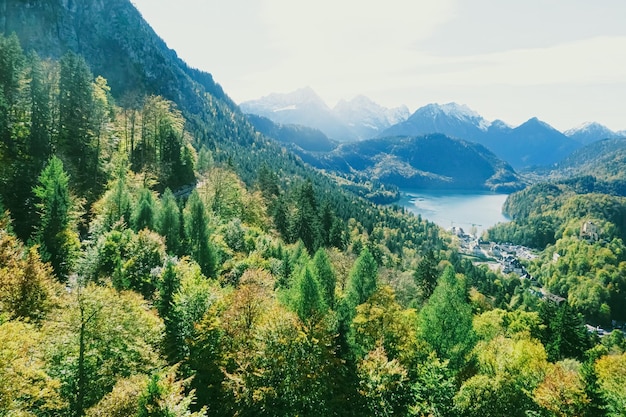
column 431, row 161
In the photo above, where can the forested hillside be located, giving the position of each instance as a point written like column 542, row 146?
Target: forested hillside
column 160, row 262
column 583, row 233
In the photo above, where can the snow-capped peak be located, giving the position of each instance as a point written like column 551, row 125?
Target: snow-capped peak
column 457, row 111
column 589, row 127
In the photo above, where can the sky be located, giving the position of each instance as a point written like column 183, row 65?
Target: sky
column 563, row 61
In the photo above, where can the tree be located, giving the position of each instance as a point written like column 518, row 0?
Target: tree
column 145, row 213
column 195, row 295
column 363, row 278
column 562, row 392
column 168, row 285
column 446, row 320
column 384, row 384
column 146, row 252
column 27, row 287
column 59, row 243
column 76, row 139
column 509, row 371
column 305, row 224
column 611, row 372
column 165, row 396
column 100, row 335
column 123, row 400
column 197, row 235
column 323, row 270
column 168, row 222
column 26, row 389
column 309, row 304
column 426, row 274
column 565, row 334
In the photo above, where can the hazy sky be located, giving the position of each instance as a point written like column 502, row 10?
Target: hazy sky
column 563, row 61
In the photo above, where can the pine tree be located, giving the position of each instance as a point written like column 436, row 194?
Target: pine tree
column 325, row 276
column 363, row 278
column 305, row 224
column 76, row 110
column 58, row 241
column 168, row 222
column 446, row 320
column 197, row 235
column 426, row 274
column 309, row 304
column 145, row 213
column 168, row 285
column 41, row 115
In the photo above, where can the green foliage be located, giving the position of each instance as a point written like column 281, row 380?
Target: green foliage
column 446, row 320
column 323, row 270
column 564, row 334
column 611, row 372
column 164, row 396
column 26, row 388
column 146, row 252
column 305, row 223
column 197, row 235
column 363, row 278
column 98, row 336
column 59, row 243
column 426, row 275
column 168, row 222
column 76, row 138
column 309, row 303
column 190, row 302
column 145, row 213
column 347, row 347
column 384, row 384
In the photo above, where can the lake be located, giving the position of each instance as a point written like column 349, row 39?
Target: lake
column 465, row 209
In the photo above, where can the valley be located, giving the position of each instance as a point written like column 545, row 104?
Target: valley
column 163, row 252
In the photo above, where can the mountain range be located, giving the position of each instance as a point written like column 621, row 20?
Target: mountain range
column 533, row 143
column 357, row 119
column 432, row 161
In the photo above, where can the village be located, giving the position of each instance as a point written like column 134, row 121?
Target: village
column 506, row 258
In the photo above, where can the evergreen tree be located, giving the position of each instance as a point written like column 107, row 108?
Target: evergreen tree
column 76, row 139
column 168, row 285
column 325, row 276
column 197, row 235
column 41, row 115
column 327, row 219
column 426, row 274
column 305, row 223
column 309, row 304
column 446, row 320
column 145, row 213
column 564, row 334
column 363, row 278
column 58, row 241
column 168, row 222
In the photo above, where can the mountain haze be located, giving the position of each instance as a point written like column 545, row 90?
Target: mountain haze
column 591, row 132
column 357, row 119
column 530, row 144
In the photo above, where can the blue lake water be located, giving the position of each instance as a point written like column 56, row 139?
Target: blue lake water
column 465, row 209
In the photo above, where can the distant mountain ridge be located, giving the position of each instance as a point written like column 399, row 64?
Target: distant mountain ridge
column 531, row 144
column 590, row 132
column 357, row 119
column 431, row 161
column 604, row 159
